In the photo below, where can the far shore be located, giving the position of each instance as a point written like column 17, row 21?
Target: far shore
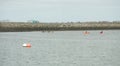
column 69, row 26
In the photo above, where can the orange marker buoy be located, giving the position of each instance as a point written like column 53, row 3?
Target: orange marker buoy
column 86, row 32
column 28, row 45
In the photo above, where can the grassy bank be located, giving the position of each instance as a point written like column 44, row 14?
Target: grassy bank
column 22, row 26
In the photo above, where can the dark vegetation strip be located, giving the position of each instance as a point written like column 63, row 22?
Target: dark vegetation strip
column 21, row 26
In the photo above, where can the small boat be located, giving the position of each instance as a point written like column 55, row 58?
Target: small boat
column 101, row 32
column 86, row 32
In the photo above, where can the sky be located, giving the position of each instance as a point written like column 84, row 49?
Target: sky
column 60, row 10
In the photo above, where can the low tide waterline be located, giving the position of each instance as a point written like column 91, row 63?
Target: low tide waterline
column 60, row 48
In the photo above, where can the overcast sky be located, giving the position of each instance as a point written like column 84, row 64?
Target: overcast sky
column 60, row 10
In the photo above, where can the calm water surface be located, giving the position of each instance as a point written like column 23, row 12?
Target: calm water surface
column 60, row 48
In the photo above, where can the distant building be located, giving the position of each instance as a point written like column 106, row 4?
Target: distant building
column 33, row 21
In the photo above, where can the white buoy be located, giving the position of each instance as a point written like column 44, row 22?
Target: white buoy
column 24, row 45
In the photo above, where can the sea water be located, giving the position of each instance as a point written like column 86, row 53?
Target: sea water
column 60, row 48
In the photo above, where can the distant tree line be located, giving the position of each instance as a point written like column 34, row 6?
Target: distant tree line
column 26, row 26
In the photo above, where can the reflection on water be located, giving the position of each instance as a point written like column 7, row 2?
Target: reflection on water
column 60, row 48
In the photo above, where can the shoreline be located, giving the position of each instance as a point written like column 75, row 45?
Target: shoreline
column 77, row 26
